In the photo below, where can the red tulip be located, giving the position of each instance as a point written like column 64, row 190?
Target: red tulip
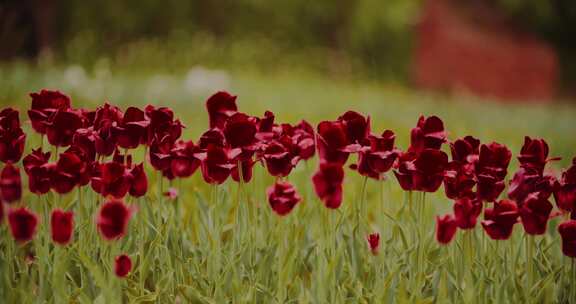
column 122, row 265
column 132, row 130
column 220, row 106
column 162, row 123
column 247, row 166
column 459, row 180
column 23, row 224
column 304, row 139
column 374, row 242
column 328, row 184
column 491, row 169
column 282, row 197
column 357, row 126
column 332, row 140
column 528, row 180
column 422, row 172
column 567, row 232
column 428, row 134
column 378, row 157
column 62, row 127
column 62, row 224
column 38, row 170
column 112, row 219
column 12, row 138
column 445, row 228
column 535, row 212
column 534, row 154
column 67, row 173
column 85, row 140
column 105, row 117
column 183, row 162
column 215, row 164
column 279, row 159
column 240, row 130
column 44, row 105
column 139, row 181
column 112, row 178
column 466, row 212
column 161, row 153
column 213, row 137
column 565, row 189
column 10, row 184
column 499, row 221
column 465, row 150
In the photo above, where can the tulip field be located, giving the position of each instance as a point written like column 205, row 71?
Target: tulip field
column 288, row 196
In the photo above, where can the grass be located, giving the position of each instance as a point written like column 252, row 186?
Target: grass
column 224, row 244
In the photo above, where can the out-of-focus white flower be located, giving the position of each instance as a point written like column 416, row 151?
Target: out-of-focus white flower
column 75, row 76
column 200, row 80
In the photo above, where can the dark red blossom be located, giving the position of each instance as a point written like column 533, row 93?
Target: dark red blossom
column 60, row 130
column 466, row 212
column 12, row 138
column 422, row 172
column 428, row 134
column 62, row 226
column 499, row 221
column 246, row 166
column 240, row 130
column 567, row 232
column 161, row 153
column 459, row 180
column 279, row 158
column 112, row 219
column 162, row 123
column 183, row 163
column 68, row 172
column 112, row 178
column 38, row 170
column 23, row 224
column 132, row 130
column 220, row 106
column 535, row 212
column 357, row 126
column 84, row 140
column 374, row 242
column 445, row 228
column 528, row 180
column 491, row 169
column 282, row 197
column 139, row 181
column 44, row 105
column 534, row 154
column 378, row 157
column 565, row 189
column 332, row 140
column 328, row 184
column 10, row 184
column 465, row 150
column 122, row 265
column 215, row 164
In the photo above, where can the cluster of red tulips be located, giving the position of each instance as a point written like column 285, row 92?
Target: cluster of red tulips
column 99, row 144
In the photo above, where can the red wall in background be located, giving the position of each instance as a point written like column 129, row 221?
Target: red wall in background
column 474, row 50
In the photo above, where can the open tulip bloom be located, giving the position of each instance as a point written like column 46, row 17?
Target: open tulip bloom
column 118, row 203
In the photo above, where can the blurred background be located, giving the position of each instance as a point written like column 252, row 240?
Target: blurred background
column 495, row 68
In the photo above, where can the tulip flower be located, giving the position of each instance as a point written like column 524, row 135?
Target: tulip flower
column 500, row 220
column 122, row 265
column 220, row 106
column 10, row 184
column 44, row 105
column 23, row 224
column 374, row 242
column 567, row 232
column 446, row 227
column 62, row 226
column 328, row 184
column 282, row 197
column 112, row 219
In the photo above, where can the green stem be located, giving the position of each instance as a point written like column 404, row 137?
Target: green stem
column 530, row 263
